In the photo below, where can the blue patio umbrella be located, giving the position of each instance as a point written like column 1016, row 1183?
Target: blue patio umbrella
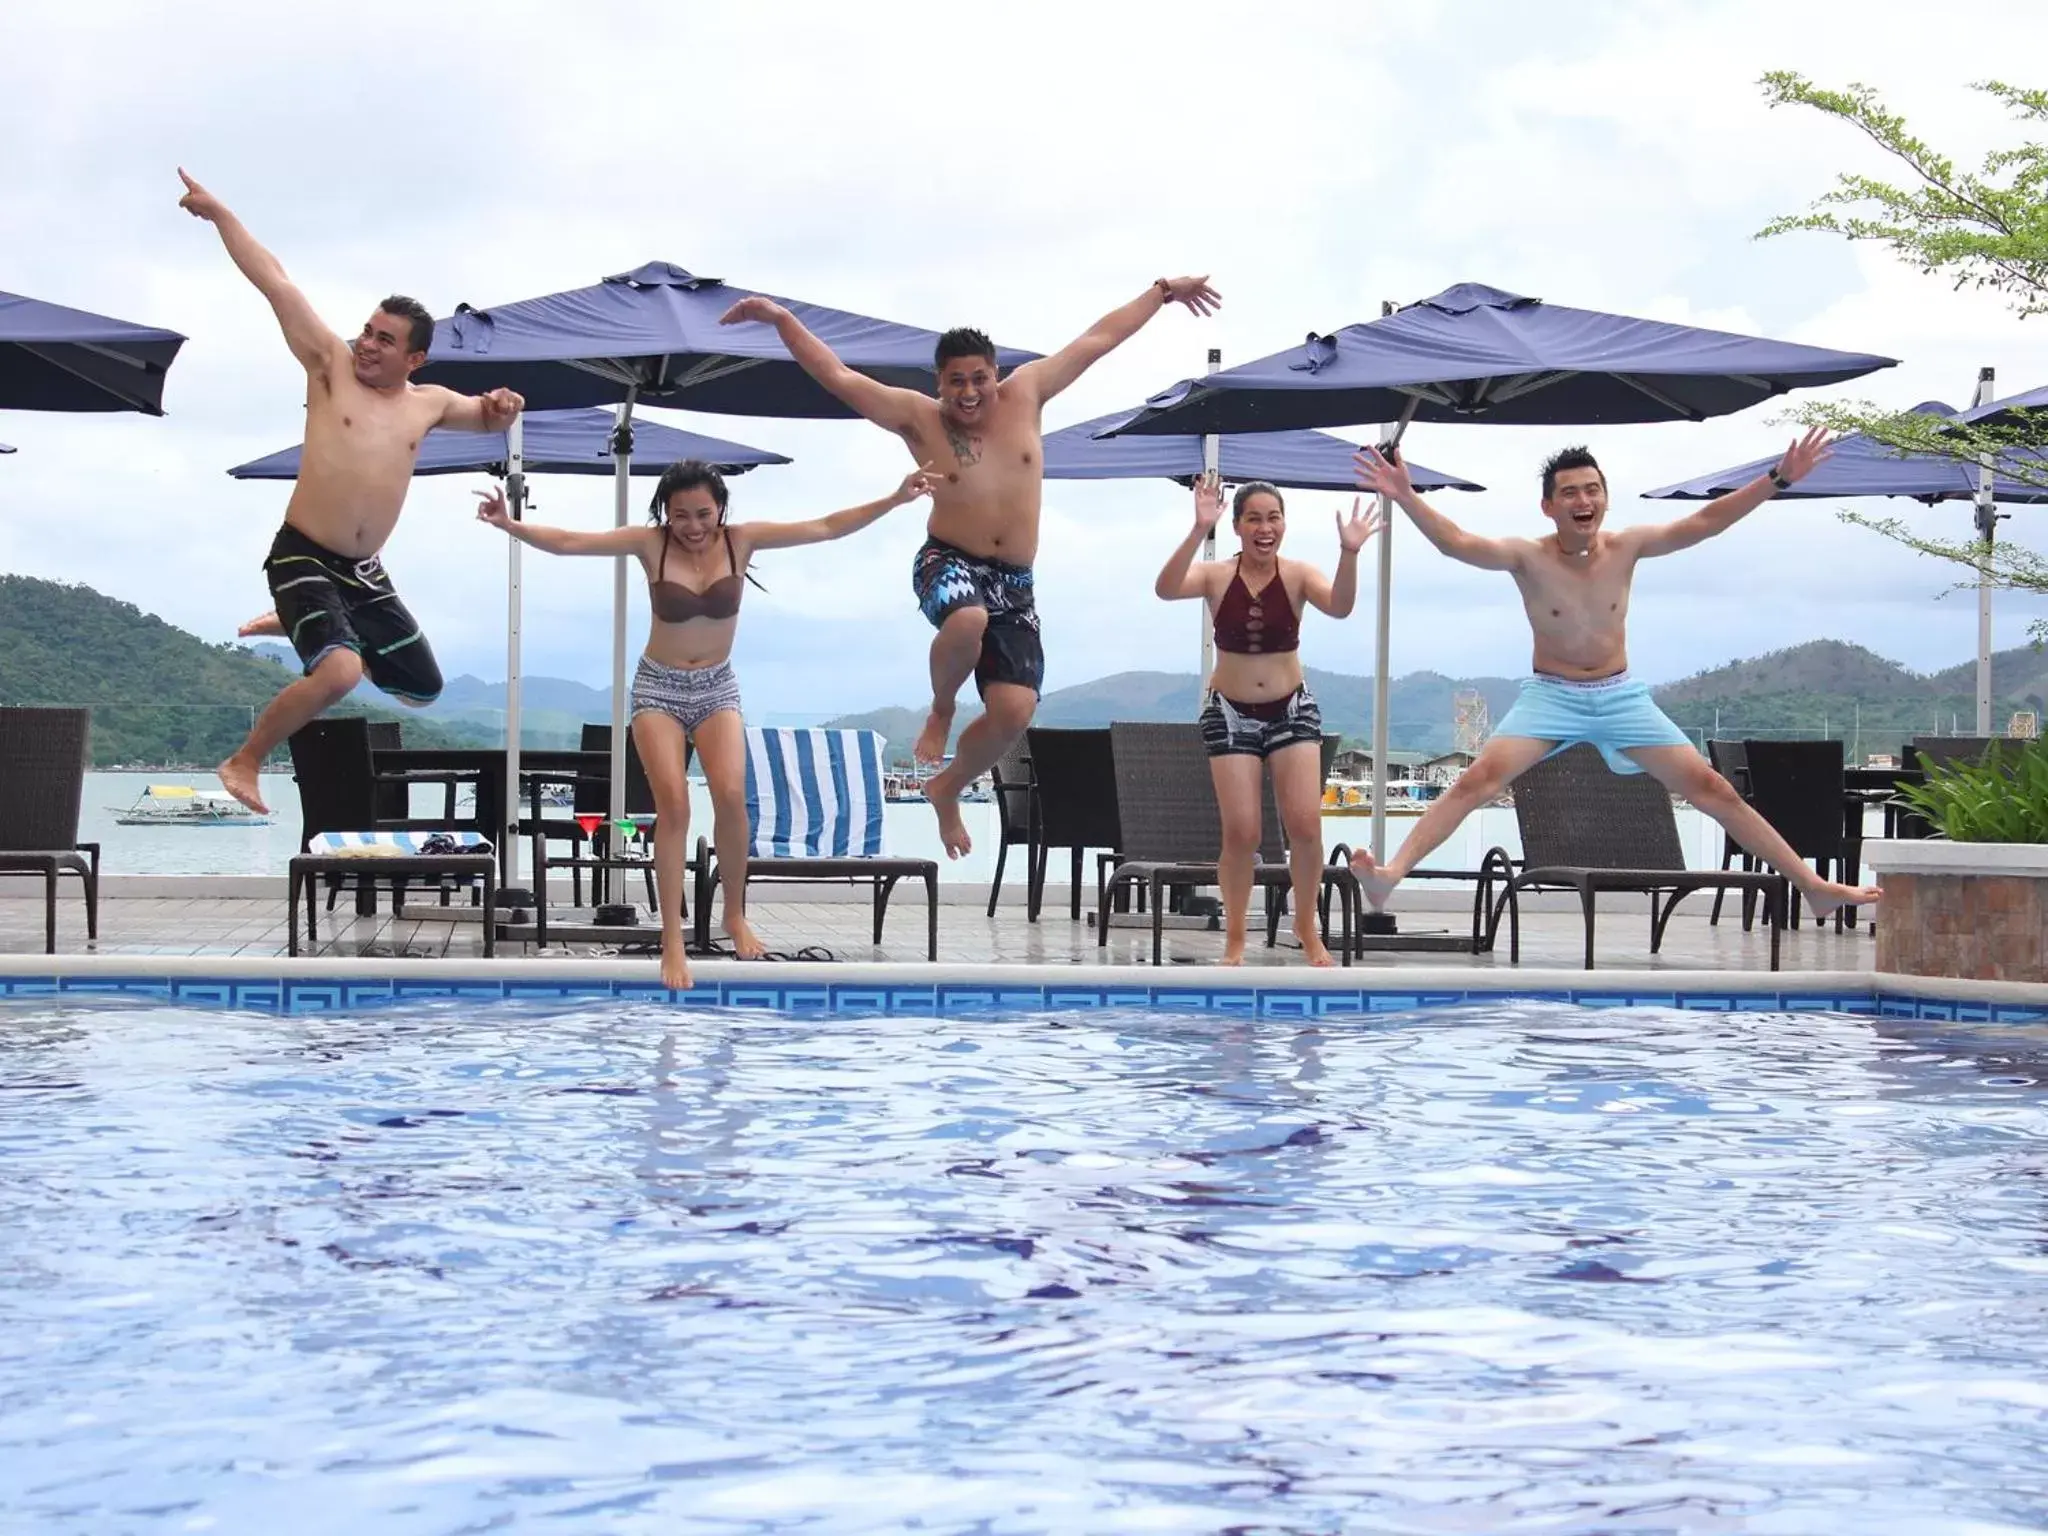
column 1860, row 466
column 554, row 443
column 6, row 448
column 565, row 442
column 1475, row 353
column 2008, row 412
column 53, row 358
column 1309, row 461
column 651, row 337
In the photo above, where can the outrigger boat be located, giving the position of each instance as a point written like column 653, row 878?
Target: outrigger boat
column 180, row 805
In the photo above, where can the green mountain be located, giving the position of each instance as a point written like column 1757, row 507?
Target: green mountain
column 159, row 696
column 1821, row 688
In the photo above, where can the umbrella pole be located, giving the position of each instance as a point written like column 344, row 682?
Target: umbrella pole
column 1382, row 669
column 1987, row 531
column 622, row 471
column 1212, row 450
column 515, row 499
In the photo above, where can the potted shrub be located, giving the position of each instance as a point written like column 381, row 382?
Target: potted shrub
column 1971, row 900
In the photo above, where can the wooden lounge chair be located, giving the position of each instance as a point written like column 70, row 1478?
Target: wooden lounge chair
column 1172, row 832
column 1588, row 829
column 42, row 783
column 814, row 812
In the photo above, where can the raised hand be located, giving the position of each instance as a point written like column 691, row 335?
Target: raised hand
column 1353, row 531
column 492, row 509
column 755, row 306
column 1382, row 472
column 919, row 482
column 1194, row 292
column 500, row 408
column 1806, row 454
column 1208, row 501
column 197, row 201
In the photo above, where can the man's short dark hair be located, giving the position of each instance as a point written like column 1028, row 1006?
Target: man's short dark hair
column 962, row 341
column 686, row 475
column 413, row 310
column 1575, row 457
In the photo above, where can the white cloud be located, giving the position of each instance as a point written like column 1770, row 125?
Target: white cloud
column 1022, row 170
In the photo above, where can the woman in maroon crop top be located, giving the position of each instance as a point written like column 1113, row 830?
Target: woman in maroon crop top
column 685, row 692
column 1258, row 709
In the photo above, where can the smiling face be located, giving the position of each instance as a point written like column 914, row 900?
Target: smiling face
column 967, row 390
column 1261, row 524
column 1577, row 504
column 384, row 353
column 693, row 516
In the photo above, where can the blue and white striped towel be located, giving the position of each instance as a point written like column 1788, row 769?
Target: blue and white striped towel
column 406, row 842
column 814, row 794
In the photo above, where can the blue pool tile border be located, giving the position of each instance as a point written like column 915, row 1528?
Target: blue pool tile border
column 948, row 999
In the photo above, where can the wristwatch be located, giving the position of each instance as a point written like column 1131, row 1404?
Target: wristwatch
column 1779, row 480
column 1165, row 290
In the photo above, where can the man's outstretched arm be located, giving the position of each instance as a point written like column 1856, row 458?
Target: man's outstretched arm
column 1384, row 474
column 1049, row 375
column 1724, row 512
column 309, row 337
column 883, row 404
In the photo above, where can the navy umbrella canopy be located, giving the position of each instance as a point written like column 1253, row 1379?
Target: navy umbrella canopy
column 1474, row 353
column 2009, row 412
column 1859, row 466
column 555, row 443
column 53, row 358
column 654, row 331
column 1310, row 461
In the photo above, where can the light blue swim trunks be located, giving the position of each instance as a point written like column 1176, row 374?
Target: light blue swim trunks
column 1613, row 713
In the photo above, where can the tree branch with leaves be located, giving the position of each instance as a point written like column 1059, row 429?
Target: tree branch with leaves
column 1985, row 229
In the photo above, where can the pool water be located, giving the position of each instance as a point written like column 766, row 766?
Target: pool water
column 1520, row 1268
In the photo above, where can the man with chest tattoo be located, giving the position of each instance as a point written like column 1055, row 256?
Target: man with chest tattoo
column 1575, row 587
column 364, row 421
column 973, row 576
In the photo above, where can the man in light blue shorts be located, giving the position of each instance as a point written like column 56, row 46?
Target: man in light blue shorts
column 1575, row 588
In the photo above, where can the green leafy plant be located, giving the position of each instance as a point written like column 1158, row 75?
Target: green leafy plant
column 2003, row 799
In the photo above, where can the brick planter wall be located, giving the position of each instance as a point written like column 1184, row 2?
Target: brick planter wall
column 1977, row 910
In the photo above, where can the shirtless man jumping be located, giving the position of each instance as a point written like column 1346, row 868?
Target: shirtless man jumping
column 1575, row 587
column 973, row 576
column 364, row 422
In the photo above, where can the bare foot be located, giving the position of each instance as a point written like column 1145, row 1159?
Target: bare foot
column 239, row 779
column 1233, row 950
column 952, row 829
column 1313, row 949
column 675, row 966
column 746, row 944
column 1378, row 885
column 262, row 624
column 930, row 746
column 1822, row 899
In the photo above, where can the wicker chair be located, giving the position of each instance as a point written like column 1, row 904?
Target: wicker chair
column 1017, row 816
column 1587, row 829
column 1798, row 787
column 340, row 790
column 1730, row 761
column 43, row 753
column 1075, row 775
column 1173, row 832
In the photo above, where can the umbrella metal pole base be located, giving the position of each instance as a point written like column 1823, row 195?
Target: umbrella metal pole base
column 617, row 915
column 515, row 896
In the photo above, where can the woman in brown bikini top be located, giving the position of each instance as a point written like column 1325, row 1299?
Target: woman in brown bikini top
column 694, row 623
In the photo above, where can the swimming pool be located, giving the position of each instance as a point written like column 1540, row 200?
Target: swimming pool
column 471, row 1264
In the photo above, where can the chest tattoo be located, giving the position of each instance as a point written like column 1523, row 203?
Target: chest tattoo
column 966, row 449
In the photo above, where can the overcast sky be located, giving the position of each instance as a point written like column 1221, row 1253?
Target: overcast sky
column 1018, row 168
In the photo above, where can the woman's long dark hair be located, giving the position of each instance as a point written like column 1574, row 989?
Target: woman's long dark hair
column 689, row 475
